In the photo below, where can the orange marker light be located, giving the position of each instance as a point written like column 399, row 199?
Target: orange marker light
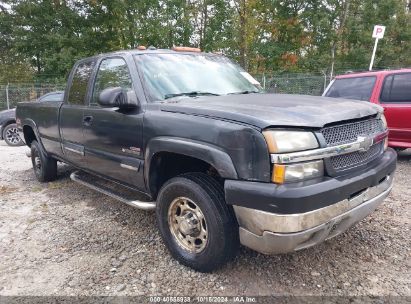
column 141, row 48
column 185, row 49
column 278, row 174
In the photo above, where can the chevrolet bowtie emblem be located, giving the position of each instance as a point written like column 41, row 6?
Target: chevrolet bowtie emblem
column 365, row 143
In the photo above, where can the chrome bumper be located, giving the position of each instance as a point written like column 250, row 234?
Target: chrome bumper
column 271, row 233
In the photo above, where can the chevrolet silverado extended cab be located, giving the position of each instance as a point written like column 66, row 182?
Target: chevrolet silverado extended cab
column 221, row 162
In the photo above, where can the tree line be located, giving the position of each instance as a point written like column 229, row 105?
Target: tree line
column 41, row 39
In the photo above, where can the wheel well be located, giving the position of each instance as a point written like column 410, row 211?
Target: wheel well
column 166, row 165
column 29, row 135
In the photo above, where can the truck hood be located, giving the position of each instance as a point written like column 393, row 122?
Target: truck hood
column 270, row 110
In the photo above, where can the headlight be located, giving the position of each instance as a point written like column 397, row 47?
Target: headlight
column 289, row 141
column 297, row 172
column 283, row 141
column 384, row 121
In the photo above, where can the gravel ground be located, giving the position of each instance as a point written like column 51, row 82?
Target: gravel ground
column 60, row 238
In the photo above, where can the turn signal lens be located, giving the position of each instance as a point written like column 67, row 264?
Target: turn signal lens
column 278, row 174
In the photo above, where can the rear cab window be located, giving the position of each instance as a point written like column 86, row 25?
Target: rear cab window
column 55, row 97
column 359, row 88
column 396, row 88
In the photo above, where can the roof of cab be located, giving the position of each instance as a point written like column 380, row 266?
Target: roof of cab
column 373, row 73
column 153, row 51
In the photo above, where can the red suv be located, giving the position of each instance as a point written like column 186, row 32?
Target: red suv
column 390, row 89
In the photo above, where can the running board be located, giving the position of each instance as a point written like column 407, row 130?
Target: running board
column 92, row 182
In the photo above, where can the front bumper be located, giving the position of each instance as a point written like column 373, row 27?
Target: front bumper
column 280, row 231
column 272, row 242
column 1, row 132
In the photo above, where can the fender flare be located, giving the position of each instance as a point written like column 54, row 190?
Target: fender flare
column 32, row 124
column 208, row 153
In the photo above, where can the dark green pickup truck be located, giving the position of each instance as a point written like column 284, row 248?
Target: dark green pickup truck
column 220, row 161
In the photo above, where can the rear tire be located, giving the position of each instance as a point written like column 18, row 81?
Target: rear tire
column 11, row 136
column 45, row 168
column 197, row 226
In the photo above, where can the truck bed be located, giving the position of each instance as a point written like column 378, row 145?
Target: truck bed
column 45, row 116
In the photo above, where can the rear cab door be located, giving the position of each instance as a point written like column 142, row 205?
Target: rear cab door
column 71, row 112
column 395, row 97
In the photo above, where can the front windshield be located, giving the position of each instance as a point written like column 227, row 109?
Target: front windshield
column 171, row 75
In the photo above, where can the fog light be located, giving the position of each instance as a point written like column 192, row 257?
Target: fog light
column 297, row 172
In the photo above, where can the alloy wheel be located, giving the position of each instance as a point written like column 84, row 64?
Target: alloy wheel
column 187, row 225
column 12, row 136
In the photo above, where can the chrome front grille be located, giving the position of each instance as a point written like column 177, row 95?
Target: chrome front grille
column 346, row 133
column 350, row 160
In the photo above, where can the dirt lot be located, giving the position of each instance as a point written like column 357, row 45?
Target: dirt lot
column 63, row 239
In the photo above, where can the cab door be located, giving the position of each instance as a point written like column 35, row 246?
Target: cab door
column 396, row 99
column 113, row 137
column 71, row 113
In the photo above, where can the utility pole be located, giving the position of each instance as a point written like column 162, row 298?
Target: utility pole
column 373, row 54
column 7, row 96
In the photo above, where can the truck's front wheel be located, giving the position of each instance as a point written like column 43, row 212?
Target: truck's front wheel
column 196, row 224
column 44, row 167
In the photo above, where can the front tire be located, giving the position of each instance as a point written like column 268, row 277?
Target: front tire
column 11, row 135
column 45, row 168
column 196, row 224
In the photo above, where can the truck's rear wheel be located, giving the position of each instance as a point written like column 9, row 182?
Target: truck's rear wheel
column 44, row 167
column 196, row 224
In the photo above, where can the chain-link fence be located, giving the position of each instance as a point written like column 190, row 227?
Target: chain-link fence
column 306, row 84
column 11, row 94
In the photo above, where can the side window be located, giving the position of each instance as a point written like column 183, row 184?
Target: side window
column 113, row 72
column 78, row 89
column 386, row 89
column 57, row 97
column 359, row 88
column 397, row 88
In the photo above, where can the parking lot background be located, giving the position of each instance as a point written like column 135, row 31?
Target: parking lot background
column 60, row 238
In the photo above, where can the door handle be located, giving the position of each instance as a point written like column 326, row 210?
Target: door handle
column 87, row 120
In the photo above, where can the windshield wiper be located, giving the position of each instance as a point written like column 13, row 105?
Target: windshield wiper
column 190, row 94
column 243, row 92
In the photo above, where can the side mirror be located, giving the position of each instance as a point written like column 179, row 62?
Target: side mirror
column 117, row 97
